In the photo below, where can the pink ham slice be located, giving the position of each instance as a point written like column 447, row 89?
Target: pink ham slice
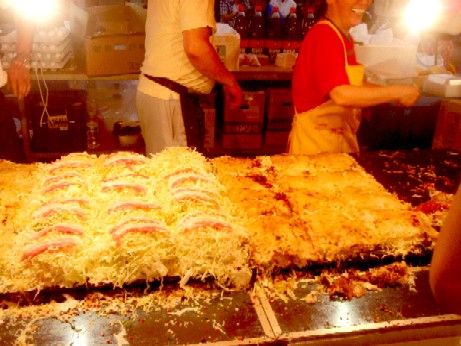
column 204, row 221
column 130, row 205
column 179, row 191
column 124, row 160
column 132, row 221
column 61, row 185
column 60, row 228
column 181, row 171
column 145, row 228
column 120, row 185
column 196, row 196
column 126, row 176
column 49, row 246
column 174, row 182
column 50, row 209
column 69, row 164
column 67, row 175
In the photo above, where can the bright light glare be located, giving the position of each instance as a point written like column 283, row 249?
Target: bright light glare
column 421, row 14
column 37, row 10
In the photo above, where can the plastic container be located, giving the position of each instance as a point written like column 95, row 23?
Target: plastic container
column 127, row 134
column 92, row 125
column 308, row 21
column 291, row 33
column 257, row 32
column 273, row 42
column 241, row 26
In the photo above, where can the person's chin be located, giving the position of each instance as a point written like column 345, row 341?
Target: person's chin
column 356, row 20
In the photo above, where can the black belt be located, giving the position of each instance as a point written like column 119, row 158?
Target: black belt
column 192, row 112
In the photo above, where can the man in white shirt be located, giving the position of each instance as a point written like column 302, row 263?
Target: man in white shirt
column 178, row 50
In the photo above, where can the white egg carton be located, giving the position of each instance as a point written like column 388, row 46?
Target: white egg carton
column 51, row 49
column 42, row 64
column 53, row 35
column 39, row 46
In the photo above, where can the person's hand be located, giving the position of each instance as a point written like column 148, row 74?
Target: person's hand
column 19, row 82
column 233, row 94
column 408, row 95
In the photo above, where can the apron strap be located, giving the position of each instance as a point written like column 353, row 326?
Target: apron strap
column 335, row 29
column 192, row 112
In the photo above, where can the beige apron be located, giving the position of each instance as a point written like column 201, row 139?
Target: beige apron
column 328, row 127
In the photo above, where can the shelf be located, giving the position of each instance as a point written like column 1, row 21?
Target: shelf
column 269, row 73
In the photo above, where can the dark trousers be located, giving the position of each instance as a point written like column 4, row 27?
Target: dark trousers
column 192, row 111
column 11, row 147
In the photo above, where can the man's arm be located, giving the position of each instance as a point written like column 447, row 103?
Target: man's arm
column 18, row 74
column 205, row 59
column 445, row 270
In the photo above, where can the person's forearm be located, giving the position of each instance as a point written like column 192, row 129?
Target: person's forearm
column 365, row 96
column 19, row 81
column 25, row 34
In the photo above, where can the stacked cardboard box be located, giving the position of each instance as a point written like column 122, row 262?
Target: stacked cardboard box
column 243, row 126
column 208, row 104
column 111, row 38
column 279, row 114
column 448, row 130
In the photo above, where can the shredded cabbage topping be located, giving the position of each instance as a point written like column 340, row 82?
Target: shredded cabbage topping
column 122, row 218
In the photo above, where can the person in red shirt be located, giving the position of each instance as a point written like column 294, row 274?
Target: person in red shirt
column 328, row 87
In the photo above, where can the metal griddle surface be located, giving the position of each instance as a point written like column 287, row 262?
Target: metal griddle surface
column 387, row 316
column 413, row 174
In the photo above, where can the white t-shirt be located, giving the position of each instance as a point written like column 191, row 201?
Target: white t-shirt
column 165, row 55
column 284, row 6
column 3, row 77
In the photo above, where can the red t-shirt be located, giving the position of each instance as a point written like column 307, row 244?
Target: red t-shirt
column 320, row 67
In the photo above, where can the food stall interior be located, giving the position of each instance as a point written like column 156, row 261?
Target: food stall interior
column 355, row 295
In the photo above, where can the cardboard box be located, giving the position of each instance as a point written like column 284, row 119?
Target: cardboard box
column 443, row 85
column 242, row 141
column 251, row 110
column 276, row 140
column 210, row 127
column 243, row 127
column 208, row 104
column 279, row 104
column 228, row 48
column 448, row 129
column 285, row 60
column 279, row 109
column 111, row 38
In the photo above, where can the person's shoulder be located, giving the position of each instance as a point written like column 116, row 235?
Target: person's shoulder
column 322, row 29
column 323, row 24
